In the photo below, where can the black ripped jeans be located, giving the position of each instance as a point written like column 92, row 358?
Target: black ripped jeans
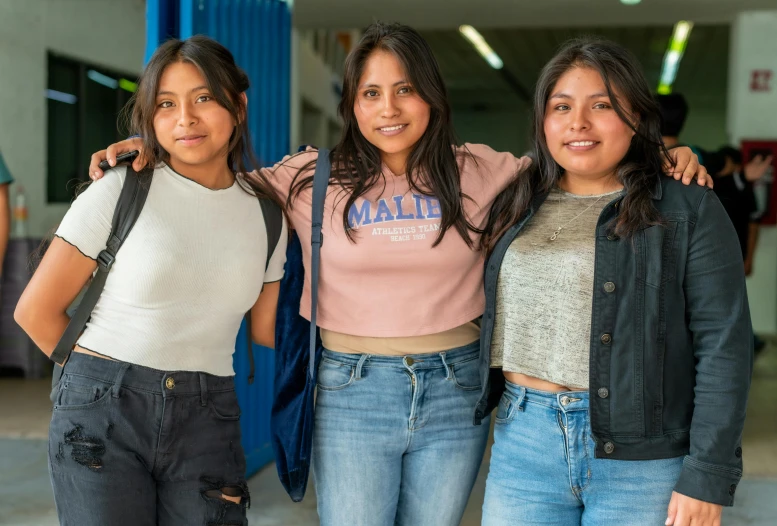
column 129, row 445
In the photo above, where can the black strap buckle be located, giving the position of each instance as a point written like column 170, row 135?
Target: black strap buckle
column 105, row 260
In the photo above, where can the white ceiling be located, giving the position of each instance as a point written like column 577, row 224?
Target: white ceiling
column 440, row 14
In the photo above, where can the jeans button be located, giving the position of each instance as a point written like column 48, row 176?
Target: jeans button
column 409, row 361
column 564, row 400
column 603, row 392
column 606, row 339
column 609, row 447
column 170, row 383
column 609, row 287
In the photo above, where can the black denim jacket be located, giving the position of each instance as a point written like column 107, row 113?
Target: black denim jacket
column 671, row 341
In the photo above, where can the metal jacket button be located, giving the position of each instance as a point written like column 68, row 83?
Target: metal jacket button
column 603, row 392
column 609, row 447
column 606, row 339
column 609, row 287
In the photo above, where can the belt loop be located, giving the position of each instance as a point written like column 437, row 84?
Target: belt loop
column 448, row 368
column 119, row 378
column 203, row 389
column 359, row 365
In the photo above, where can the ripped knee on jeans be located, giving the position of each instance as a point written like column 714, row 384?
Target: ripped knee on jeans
column 227, row 493
column 228, row 500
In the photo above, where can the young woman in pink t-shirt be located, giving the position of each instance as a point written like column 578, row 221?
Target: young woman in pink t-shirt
column 400, row 289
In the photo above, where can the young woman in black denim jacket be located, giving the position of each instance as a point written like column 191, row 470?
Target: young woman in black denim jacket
column 645, row 425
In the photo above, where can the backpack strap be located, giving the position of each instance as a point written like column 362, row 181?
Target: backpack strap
column 131, row 200
column 273, row 224
column 320, row 184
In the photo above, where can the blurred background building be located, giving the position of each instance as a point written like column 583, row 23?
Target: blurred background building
column 68, row 67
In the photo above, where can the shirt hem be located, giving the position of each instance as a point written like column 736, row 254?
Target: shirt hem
column 423, row 330
column 75, row 246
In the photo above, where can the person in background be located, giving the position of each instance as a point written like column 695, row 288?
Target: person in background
column 674, row 112
column 5, row 209
column 735, row 192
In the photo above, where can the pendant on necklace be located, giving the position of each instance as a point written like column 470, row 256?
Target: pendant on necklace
column 556, row 233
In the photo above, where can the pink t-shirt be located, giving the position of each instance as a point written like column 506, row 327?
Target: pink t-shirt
column 391, row 282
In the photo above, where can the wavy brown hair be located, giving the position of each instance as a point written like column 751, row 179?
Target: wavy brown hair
column 433, row 166
column 638, row 171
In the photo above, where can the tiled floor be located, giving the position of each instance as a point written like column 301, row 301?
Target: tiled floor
column 26, row 500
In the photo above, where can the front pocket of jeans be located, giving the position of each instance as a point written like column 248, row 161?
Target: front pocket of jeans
column 78, row 393
column 334, row 376
column 506, row 410
column 224, row 405
column 466, row 375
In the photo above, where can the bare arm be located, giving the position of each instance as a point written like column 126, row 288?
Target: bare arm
column 263, row 315
column 60, row 277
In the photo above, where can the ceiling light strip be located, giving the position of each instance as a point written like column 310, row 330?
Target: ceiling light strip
column 673, row 55
column 482, row 47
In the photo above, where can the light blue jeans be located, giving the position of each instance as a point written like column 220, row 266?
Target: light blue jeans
column 394, row 442
column 543, row 469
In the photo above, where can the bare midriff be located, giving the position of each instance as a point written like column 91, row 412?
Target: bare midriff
column 90, row 353
column 535, row 383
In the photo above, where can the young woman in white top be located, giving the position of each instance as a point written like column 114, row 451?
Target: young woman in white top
column 145, row 428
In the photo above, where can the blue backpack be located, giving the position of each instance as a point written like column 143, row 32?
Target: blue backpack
column 298, row 351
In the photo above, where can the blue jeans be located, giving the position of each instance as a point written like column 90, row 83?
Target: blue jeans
column 543, row 469
column 394, row 442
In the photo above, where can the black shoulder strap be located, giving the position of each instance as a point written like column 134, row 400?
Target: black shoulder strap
column 320, row 184
column 273, row 224
column 131, row 200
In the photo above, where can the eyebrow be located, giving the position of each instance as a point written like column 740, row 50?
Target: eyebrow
column 198, row 88
column 565, row 96
column 376, row 86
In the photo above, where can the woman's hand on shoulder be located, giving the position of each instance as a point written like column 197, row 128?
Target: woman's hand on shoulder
column 687, row 167
column 110, row 154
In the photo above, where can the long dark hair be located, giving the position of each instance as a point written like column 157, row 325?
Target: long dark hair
column 226, row 82
column 432, row 167
column 639, row 169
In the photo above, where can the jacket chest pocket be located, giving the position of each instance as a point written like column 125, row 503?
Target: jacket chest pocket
column 657, row 254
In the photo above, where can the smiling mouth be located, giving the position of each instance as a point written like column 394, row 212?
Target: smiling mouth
column 190, row 140
column 393, row 128
column 581, row 143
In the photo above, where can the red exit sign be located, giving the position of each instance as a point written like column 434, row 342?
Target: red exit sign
column 761, row 80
